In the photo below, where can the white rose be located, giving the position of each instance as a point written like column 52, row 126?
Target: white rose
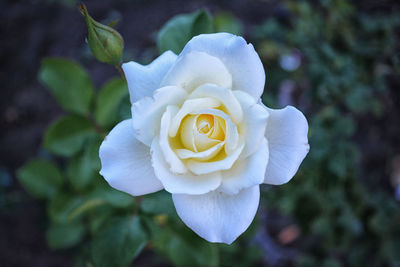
column 199, row 131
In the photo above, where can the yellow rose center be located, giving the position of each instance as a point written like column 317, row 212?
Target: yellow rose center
column 201, row 132
column 211, row 126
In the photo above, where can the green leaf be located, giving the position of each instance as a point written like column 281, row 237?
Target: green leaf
column 64, row 236
column 227, row 22
column 66, row 136
column 118, row 199
column 82, row 168
column 109, row 100
column 112, row 196
column 180, row 29
column 61, row 206
column 87, row 205
column 68, row 82
column 98, row 217
column 40, row 178
column 124, row 109
column 119, row 241
column 202, row 23
column 184, row 253
column 180, row 244
column 67, row 208
column 78, row 173
column 100, row 197
column 158, row 203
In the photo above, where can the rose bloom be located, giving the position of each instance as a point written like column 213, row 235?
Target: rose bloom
column 200, row 131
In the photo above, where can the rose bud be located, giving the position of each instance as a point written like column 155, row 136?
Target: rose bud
column 105, row 43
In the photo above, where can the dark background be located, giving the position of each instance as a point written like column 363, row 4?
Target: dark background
column 31, row 30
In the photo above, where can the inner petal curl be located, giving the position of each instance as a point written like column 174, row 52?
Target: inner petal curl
column 201, row 132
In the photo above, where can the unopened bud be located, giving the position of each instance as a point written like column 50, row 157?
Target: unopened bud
column 105, row 43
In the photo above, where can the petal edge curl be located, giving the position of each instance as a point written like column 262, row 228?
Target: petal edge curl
column 126, row 162
column 217, row 217
column 286, row 133
column 143, row 80
column 181, row 184
column 239, row 57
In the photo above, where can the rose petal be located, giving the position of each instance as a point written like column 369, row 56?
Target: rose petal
column 201, row 168
column 203, row 155
column 218, row 217
column 231, row 134
column 126, row 163
column 240, row 58
column 203, row 142
column 224, row 95
column 181, row 184
column 187, row 133
column 194, row 69
column 143, row 80
column 147, row 112
column 246, row 172
column 252, row 128
column 288, row 144
column 189, row 106
column 176, row 165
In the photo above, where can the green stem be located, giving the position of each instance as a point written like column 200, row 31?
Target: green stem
column 120, row 70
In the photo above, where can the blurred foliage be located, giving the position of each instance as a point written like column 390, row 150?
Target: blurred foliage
column 336, row 59
column 69, row 83
column 345, row 58
column 106, row 227
column 180, row 29
column 226, row 22
column 66, row 3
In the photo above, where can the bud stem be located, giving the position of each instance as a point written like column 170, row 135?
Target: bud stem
column 120, row 70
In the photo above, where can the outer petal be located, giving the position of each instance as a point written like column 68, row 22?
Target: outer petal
column 239, row 58
column 147, row 112
column 246, row 173
column 194, row 69
column 144, row 80
column 288, row 144
column 181, row 183
column 218, row 217
column 254, row 123
column 126, row 163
